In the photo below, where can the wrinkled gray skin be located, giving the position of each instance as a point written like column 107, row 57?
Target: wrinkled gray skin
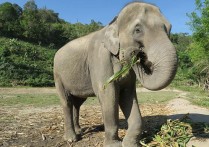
column 83, row 65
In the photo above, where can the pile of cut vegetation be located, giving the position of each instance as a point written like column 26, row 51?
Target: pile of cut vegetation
column 176, row 133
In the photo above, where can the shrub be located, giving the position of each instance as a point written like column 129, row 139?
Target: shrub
column 25, row 64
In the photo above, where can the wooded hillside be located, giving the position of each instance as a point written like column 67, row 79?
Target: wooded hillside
column 30, row 36
column 40, row 25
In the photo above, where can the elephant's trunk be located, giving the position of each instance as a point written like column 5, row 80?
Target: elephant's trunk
column 158, row 64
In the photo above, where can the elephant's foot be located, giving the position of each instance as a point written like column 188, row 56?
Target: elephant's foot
column 113, row 143
column 71, row 137
column 78, row 131
column 130, row 143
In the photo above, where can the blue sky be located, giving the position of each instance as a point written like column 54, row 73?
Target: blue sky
column 104, row 10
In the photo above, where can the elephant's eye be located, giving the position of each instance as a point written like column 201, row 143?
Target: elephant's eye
column 138, row 33
column 138, row 30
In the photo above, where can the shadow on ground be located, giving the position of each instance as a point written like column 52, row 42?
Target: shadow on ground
column 152, row 125
column 198, row 122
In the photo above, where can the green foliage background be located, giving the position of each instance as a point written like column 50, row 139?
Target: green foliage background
column 193, row 50
column 41, row 26
column 25, row 64
column 199, row 48
column 30, row 36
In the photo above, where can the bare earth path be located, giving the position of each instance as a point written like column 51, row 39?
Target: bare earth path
column 43, row 126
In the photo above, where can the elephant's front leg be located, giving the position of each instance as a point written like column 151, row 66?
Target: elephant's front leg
column 129, row 105
column 110, row 109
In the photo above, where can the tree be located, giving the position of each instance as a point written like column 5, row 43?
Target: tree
column 42, row 26
column 181, row 42
column 199, row 49
column 48, row 16
column 31, row 23
column 8, row 19
column 30, row 6
column 18, row 9
column 94, row 26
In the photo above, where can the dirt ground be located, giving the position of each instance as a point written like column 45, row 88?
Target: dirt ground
column 43, row 127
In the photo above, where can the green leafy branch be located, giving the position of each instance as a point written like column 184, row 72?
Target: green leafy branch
column 123, row 72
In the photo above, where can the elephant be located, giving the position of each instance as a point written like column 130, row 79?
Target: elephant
column 82, row 66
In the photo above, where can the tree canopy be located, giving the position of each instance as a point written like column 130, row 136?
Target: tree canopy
column 40, row 25
column 199, row 48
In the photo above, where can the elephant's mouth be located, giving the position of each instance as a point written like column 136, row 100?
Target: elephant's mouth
column 145, row 64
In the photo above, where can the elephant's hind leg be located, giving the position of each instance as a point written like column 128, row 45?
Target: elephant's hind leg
column 67, row 104
column 77, row 102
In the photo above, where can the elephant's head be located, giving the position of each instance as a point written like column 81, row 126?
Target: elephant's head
column 140, row 29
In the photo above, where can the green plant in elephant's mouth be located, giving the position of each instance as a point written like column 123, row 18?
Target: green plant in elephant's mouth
column 123, row 72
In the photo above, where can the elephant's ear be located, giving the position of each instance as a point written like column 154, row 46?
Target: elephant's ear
column 111, row 40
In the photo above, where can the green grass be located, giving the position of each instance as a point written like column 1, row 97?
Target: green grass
column 144, row 97
column 199, row 98
column 195, row 94
column 36, row 100
column 183, row 87
column 156, row 97
column 92, row 101
column 42, row 100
